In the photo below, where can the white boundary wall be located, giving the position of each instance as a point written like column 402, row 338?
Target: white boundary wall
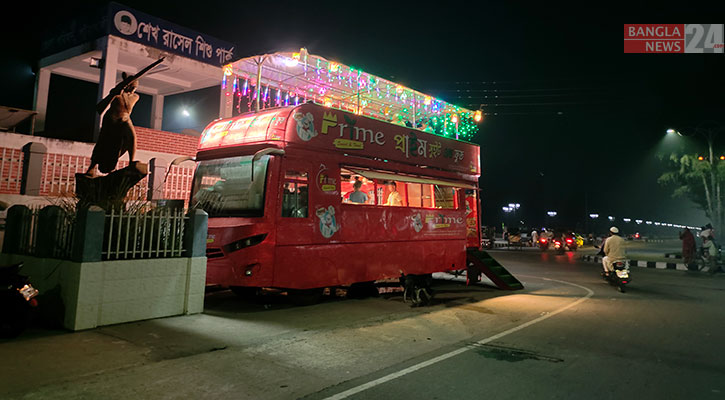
column 111, row 292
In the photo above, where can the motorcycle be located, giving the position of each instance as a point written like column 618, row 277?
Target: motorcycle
column 571, row 244
column 544, row 244
column 17, row 301
column 620, row 277
column 559, row 246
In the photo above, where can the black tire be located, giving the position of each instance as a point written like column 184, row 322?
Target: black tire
column 621, row 289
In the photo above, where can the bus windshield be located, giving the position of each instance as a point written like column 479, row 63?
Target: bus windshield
column 224, row 187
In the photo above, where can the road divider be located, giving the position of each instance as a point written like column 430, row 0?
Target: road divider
column 645, row 264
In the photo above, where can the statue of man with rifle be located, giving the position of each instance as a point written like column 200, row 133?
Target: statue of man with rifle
column 117, row 134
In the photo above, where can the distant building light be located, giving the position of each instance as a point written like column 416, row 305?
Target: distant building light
column 611, row 218
column 551, row 213
column 593, row 215
column 638, row 221
column 627, row 219
column 648, row 222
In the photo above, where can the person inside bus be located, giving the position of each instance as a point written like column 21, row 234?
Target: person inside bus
column 358, row 196
column 394, row 198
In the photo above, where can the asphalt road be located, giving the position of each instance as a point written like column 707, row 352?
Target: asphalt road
column 567, row 335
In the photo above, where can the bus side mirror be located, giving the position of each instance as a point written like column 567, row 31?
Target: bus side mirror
column 264, row 152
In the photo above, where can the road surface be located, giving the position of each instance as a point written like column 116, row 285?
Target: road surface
column 567, row 335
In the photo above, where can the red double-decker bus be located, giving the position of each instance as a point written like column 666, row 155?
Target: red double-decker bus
column 309, row 197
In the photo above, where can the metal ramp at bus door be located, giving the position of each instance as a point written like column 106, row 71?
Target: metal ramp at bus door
column 480, row 262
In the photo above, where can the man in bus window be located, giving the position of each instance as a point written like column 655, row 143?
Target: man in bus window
column 357, row 196
column 394, row 198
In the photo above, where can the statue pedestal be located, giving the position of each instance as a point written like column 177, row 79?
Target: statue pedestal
column 109, row 191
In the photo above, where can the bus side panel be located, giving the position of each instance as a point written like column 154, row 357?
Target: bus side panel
column 381, row 223
column 312, row 266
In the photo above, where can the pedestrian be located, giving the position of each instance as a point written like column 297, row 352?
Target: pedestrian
column 688, row 247
column 711, row 250
column 707, row 232
column 534, row 237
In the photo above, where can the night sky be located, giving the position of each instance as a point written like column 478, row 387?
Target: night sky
column 573, row 124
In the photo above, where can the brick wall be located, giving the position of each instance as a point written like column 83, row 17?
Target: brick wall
column 166, row 142
column 11, row 169
column 66, row 158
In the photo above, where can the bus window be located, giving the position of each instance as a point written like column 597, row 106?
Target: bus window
column 415, row 194
column 445, row 197
column 420, row 195
column 394, row 193
column 295, row 197
column 355, row 188
column 426, row 197
column 224, row 187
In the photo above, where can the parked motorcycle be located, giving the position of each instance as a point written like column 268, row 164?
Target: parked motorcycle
column 17, row 301
column 620, row 277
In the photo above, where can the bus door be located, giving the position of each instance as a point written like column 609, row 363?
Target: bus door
column 473, row 218
column 294, row 219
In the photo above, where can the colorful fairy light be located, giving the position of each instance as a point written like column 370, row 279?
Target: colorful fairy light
column 350, row 89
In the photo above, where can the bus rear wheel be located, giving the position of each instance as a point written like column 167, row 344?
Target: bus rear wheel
column 417, row 289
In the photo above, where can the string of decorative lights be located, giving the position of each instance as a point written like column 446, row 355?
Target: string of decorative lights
column 294, row 78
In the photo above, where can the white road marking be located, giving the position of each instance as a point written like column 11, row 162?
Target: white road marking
column 421, row 365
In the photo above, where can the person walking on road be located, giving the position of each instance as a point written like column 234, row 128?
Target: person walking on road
column 534, row 237
column 688, row 247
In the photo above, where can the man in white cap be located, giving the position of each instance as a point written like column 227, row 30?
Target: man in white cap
column 613, row 250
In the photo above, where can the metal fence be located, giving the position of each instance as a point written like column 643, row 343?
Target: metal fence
column 59, row 173
column 59, row 176
column 157, row 233
column 28, row 233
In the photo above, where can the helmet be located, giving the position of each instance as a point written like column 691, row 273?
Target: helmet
column 614, row 229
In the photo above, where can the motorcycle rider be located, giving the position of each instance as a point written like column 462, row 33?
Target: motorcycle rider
column 613, row 250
